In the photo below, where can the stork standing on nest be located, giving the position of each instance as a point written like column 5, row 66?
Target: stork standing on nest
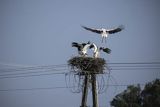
column 105, row 32
column 96, row 50
column 82, row 48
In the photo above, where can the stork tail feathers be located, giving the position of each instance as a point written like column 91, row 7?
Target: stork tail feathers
column 107, row 50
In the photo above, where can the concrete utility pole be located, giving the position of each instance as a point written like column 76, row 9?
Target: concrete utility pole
column 85, row 92
column 94, row 90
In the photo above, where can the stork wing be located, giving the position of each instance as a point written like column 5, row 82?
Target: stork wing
column 107, row 50
column 74, row 44
column 118, row 29
column 99, row 31
column 78, row 46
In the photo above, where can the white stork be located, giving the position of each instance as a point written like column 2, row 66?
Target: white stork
column 105, row 32
column 96, row 51
column 82, row 48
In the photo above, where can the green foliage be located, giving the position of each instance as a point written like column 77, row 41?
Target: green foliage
column 129, row 98
column 133, row 96
column 151, row 94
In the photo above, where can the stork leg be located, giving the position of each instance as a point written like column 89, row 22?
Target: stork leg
column 105, row 40
column 102, row 39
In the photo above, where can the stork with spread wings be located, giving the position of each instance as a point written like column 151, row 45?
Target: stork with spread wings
column 105, row 32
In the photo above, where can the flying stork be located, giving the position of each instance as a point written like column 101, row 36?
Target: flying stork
column 105, row 32
column 82, row 48
column 96, row 50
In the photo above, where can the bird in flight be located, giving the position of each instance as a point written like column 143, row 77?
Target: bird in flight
column 96, row 50
column 105, row 32
column 82, row 48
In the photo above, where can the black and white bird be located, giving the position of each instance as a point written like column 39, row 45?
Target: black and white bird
column 96, row 50
column 105, row 32
column 82, row 48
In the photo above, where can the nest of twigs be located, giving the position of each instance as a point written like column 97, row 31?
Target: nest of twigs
column 87, row 65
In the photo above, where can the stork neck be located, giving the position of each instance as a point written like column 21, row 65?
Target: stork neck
column 95, row 48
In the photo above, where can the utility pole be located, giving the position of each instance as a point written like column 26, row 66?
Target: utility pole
column 85, row 92
column 89, row 74
column 94, row 90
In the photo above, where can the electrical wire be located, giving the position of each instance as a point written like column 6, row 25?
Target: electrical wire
column 60, row 87
column 36, row 70
column 125, row 64
column 33, row 75
column 22, row 73
column 135, row 63
column 32, row 68
column 17, row 75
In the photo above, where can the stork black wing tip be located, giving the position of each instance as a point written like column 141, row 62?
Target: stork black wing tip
column 121, row 27
column 74, row 44
column 84, row 27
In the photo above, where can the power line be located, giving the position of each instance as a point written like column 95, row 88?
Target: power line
column 32, row 75
column 31, row 72
column 64, row 65
column 151, row 65
column 33, row 68
column 55, row 68
column 134, row 68
column 134, row 63
column 32, row 89
column 17, row 75
column 61, row 87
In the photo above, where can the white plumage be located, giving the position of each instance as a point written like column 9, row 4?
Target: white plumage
column 105, row 32
column 96, row 50
column 82, row 48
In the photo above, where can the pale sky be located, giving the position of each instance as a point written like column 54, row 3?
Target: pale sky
column 40, row 32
